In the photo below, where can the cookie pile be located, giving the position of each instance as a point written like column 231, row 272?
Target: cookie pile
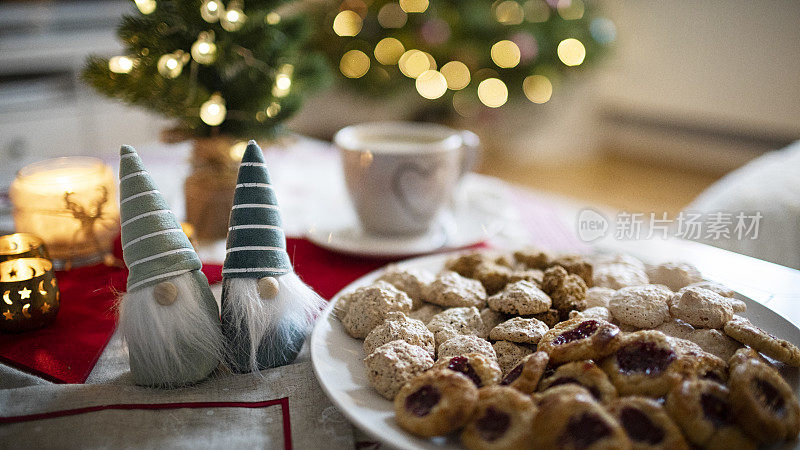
column 533, row 350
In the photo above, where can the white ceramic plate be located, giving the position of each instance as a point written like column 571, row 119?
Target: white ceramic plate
column 337, row 360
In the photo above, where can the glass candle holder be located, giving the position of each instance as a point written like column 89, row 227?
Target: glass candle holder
column 71, row 204
column 30, row 294
column 22, row 245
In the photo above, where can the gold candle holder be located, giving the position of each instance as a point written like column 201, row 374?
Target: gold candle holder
column 22, row 245
column 70, row 203
column 30, row 294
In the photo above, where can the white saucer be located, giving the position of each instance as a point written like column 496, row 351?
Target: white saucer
column 452, row 230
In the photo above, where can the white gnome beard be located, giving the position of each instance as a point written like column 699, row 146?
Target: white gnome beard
column 170, row 345
column 285, row 317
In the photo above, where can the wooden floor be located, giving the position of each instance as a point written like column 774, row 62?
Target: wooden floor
column 608, row 180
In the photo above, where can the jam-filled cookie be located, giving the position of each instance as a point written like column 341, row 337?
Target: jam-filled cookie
column 586, row 374
column 526, row 375
column 578, row 339
column 702, row 409
column 435, row 403
column 646, row 363
column 502, row 420
column 568, row 419
column 647, row 424
column 482, row 370
column 748, row 334
column 763, row 403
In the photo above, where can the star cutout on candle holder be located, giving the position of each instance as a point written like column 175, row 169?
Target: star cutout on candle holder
column 12, row 273
column 9, row 315
column 45, row 308
column 24, row 293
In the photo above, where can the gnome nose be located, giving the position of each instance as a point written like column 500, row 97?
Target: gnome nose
column 268, row 287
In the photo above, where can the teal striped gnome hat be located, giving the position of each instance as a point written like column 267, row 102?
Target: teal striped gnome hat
column 267, row 310
column 168, row 316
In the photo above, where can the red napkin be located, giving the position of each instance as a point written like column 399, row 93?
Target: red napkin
column 67, row 350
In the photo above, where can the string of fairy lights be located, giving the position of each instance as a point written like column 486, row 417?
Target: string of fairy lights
column 203, row 51
column 432, row 82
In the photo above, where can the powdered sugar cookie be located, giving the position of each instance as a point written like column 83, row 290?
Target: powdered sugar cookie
column 509, row 354
column 425, row 312
column 579, row 265
column 398, row 326
column 567, row 291
column 450, row 289
column 701, row 308
column 745, row 332
column 641, row 306
column 599, row 296
column 535, row 276
column 492, row 276
column 411, row 281
column 464, row 344
column 368, row 306
column 491, row 319
column 533, row 258
column 455, row 321
column 521, row 297
column 519, row 330
column 481, row 369
column 736, row 305
column 715, row 342
column 597, row 312
column 675, row 328
column 674, row 275
column 618, row 271
column 392, row 364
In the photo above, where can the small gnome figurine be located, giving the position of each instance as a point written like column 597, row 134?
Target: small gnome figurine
column 266, row 309
column 168, row 317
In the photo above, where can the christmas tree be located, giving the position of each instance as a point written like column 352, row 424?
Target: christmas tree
column 228, row 67
column 462, row 53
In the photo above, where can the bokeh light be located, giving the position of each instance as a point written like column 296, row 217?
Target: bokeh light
column 354, row 64
column 571, row 52
column 204, row 51
column 391, row 15
column 431, row 84
column 120, row 64
column 536, row 11
column 492, row 92
column 273, row 18
column 457, row 75
column 145, row 6
column 413, row 63
column 509, row 12
column 273, row 109
column 388, row 51
column 603, row 30
column 347, row 23
column 571, row 9
column 505, row 54
column 213, row 111
column 414, row 6
column 170, row 65
column 537, row 88
column 210, row 11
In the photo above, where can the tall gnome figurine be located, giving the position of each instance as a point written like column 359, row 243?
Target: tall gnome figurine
column 266, row 309
column 168, row 316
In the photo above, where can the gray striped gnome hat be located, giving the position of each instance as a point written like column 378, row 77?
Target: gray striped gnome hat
column 256, row 245
column 154, row 246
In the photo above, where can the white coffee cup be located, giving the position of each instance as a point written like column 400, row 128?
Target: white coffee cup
column 401, row 174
